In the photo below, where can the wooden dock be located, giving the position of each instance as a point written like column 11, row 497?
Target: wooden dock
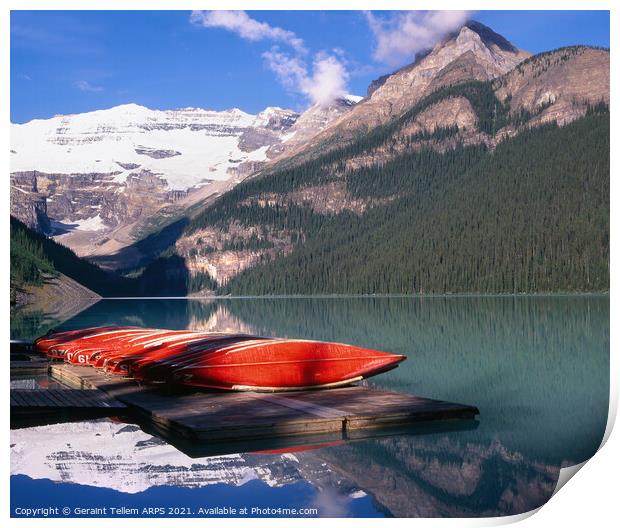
column 54, row 405
column 199, row 417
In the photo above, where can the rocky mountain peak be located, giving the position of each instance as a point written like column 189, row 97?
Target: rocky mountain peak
column 276, row 118
column 492, row 51
column 474, row 52
column 490, row 37
column 466, row 36
column 498, row 54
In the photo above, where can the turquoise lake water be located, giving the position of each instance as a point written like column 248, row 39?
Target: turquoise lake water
column 537, row 367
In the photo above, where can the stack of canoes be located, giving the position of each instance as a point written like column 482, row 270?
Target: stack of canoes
column 215, row 360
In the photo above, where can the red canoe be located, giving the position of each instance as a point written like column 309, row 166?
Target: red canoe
column 60, row 350
column 119, row 361
column 278, row 365
column 53, row 338
column 78, row 350
column 217, row 361
column 96, row 355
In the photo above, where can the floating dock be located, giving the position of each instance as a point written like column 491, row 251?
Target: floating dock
column 52, row 405
column 200, row 417
column 202, row 423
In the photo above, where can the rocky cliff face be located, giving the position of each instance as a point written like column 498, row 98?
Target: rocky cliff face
column 27, row 203
column 225, row 253
column 558, row 85
column 88, row 202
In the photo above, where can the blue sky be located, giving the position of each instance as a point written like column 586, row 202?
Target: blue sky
column 69, row 61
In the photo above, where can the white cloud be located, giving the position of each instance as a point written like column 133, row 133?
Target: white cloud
column 239, row 22
column 403, row 34
column 320, row 84
column 290, row 70
column 85, row 86
column 327, row 81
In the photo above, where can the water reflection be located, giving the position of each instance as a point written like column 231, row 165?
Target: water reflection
column 537, row 367
column 112, row 455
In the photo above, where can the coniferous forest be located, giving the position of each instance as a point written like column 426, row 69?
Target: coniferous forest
column 36, row 258
column 29, row 262
column 530, row 216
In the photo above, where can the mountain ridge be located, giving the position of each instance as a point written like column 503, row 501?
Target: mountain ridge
column 464, row 98
column 403, row 88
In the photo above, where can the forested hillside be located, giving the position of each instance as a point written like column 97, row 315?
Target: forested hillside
column 29, row 264
column 478, row 186
column 530, row 216
column 35, row 257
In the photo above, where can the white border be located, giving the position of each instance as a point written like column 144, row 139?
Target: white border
column 585, row 499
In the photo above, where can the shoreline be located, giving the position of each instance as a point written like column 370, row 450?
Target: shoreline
column 367, row 296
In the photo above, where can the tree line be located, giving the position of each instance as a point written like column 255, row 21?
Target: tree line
column 531, row 216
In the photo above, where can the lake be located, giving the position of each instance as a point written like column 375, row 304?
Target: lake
column 537, row 367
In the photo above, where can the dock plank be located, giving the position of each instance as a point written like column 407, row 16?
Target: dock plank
column 19, row 399
column 35, row 398
column 62, row 404
column 55, row 400
column 67, row 400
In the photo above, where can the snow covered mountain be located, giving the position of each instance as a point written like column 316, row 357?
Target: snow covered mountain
column 94, row 179
column 187, row 146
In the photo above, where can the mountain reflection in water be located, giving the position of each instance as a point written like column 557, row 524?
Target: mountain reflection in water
column 536, row 366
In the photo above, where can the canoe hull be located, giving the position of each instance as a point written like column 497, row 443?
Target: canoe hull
column 285, row 365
